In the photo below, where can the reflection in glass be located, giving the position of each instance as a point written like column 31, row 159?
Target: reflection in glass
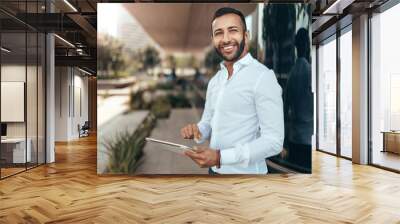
column 346, row 94
column 41, row 99
column 314, row 90
column 23, row 90
column 31, row 97
column 327, row 96
column 13, row 86
column 385, row 84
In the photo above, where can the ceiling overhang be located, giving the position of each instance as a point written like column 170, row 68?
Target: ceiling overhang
column 181, row 27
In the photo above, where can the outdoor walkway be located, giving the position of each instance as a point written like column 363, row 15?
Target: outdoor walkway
column 111, row 107
column 157, row 159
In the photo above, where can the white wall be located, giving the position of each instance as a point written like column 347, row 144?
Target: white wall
column 12, row 73
column 62, row 81
column 70, row 83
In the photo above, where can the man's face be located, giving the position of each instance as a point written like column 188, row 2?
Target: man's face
column 228, row 37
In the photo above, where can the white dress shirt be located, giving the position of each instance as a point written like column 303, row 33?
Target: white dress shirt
column 244, row 117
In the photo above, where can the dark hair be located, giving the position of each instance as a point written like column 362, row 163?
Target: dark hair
column 227, row 10
column 302, row 42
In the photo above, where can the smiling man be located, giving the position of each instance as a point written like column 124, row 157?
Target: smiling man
column 243, row 113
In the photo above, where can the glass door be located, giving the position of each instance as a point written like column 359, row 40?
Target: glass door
column 385, row 89
column 346, row 93
column 327, row 96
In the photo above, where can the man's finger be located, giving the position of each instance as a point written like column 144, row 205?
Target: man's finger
column 198, row 159
column 198, row 162
column 190, row 153
column 199, row 149
column 196, row 131
column 194, row 155
column 187, row 134
column 190, row 131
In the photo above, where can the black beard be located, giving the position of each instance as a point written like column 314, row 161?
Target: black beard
column 237, row 55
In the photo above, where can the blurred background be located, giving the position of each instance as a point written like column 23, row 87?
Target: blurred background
column 153, row 65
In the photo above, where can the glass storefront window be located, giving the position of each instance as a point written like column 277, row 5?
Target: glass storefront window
column 346, row 94
column 327, row 96
column 22, row 92
column 14, row 148
column 385, row 89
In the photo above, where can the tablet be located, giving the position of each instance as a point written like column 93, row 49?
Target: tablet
column 178, row 146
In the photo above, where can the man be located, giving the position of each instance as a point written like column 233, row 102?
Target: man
column 298, row 107
column 243, row 113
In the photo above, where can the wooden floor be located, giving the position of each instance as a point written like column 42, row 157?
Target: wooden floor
column 387, row 159
column 69, row 191
column 10, row 171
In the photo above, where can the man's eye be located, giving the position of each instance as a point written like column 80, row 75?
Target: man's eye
column 218, row 33
column 234, row 30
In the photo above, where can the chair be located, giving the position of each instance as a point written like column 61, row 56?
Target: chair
column 84, row 130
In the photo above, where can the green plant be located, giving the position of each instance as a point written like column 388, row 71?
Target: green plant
column 149, row 57
column 161, row 107
column 212, row 60
column 171, row 61
column 142, row 99
column 136, row 100
column 179, row 101
column 165, row 86
column 126, row 149
column 111, row 57
column 125, row 152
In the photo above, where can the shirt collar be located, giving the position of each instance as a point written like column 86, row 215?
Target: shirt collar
column 242, row 62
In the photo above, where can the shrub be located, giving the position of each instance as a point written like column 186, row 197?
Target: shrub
column 179, row 101
column 136, row 100
column 126, row 149
column 165, row 86
column 161, row 107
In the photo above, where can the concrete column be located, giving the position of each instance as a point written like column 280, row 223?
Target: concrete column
column 50, row 92
column 50, row 99
column 360, row 90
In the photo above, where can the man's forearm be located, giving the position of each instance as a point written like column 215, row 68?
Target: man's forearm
column 244, row 154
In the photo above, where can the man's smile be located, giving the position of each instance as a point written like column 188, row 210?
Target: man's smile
column 228, row 49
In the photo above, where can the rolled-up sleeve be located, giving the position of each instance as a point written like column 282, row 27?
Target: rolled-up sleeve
column 269, row 109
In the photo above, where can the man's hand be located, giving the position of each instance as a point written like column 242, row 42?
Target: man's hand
column 203, row 156
column 190, row 131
